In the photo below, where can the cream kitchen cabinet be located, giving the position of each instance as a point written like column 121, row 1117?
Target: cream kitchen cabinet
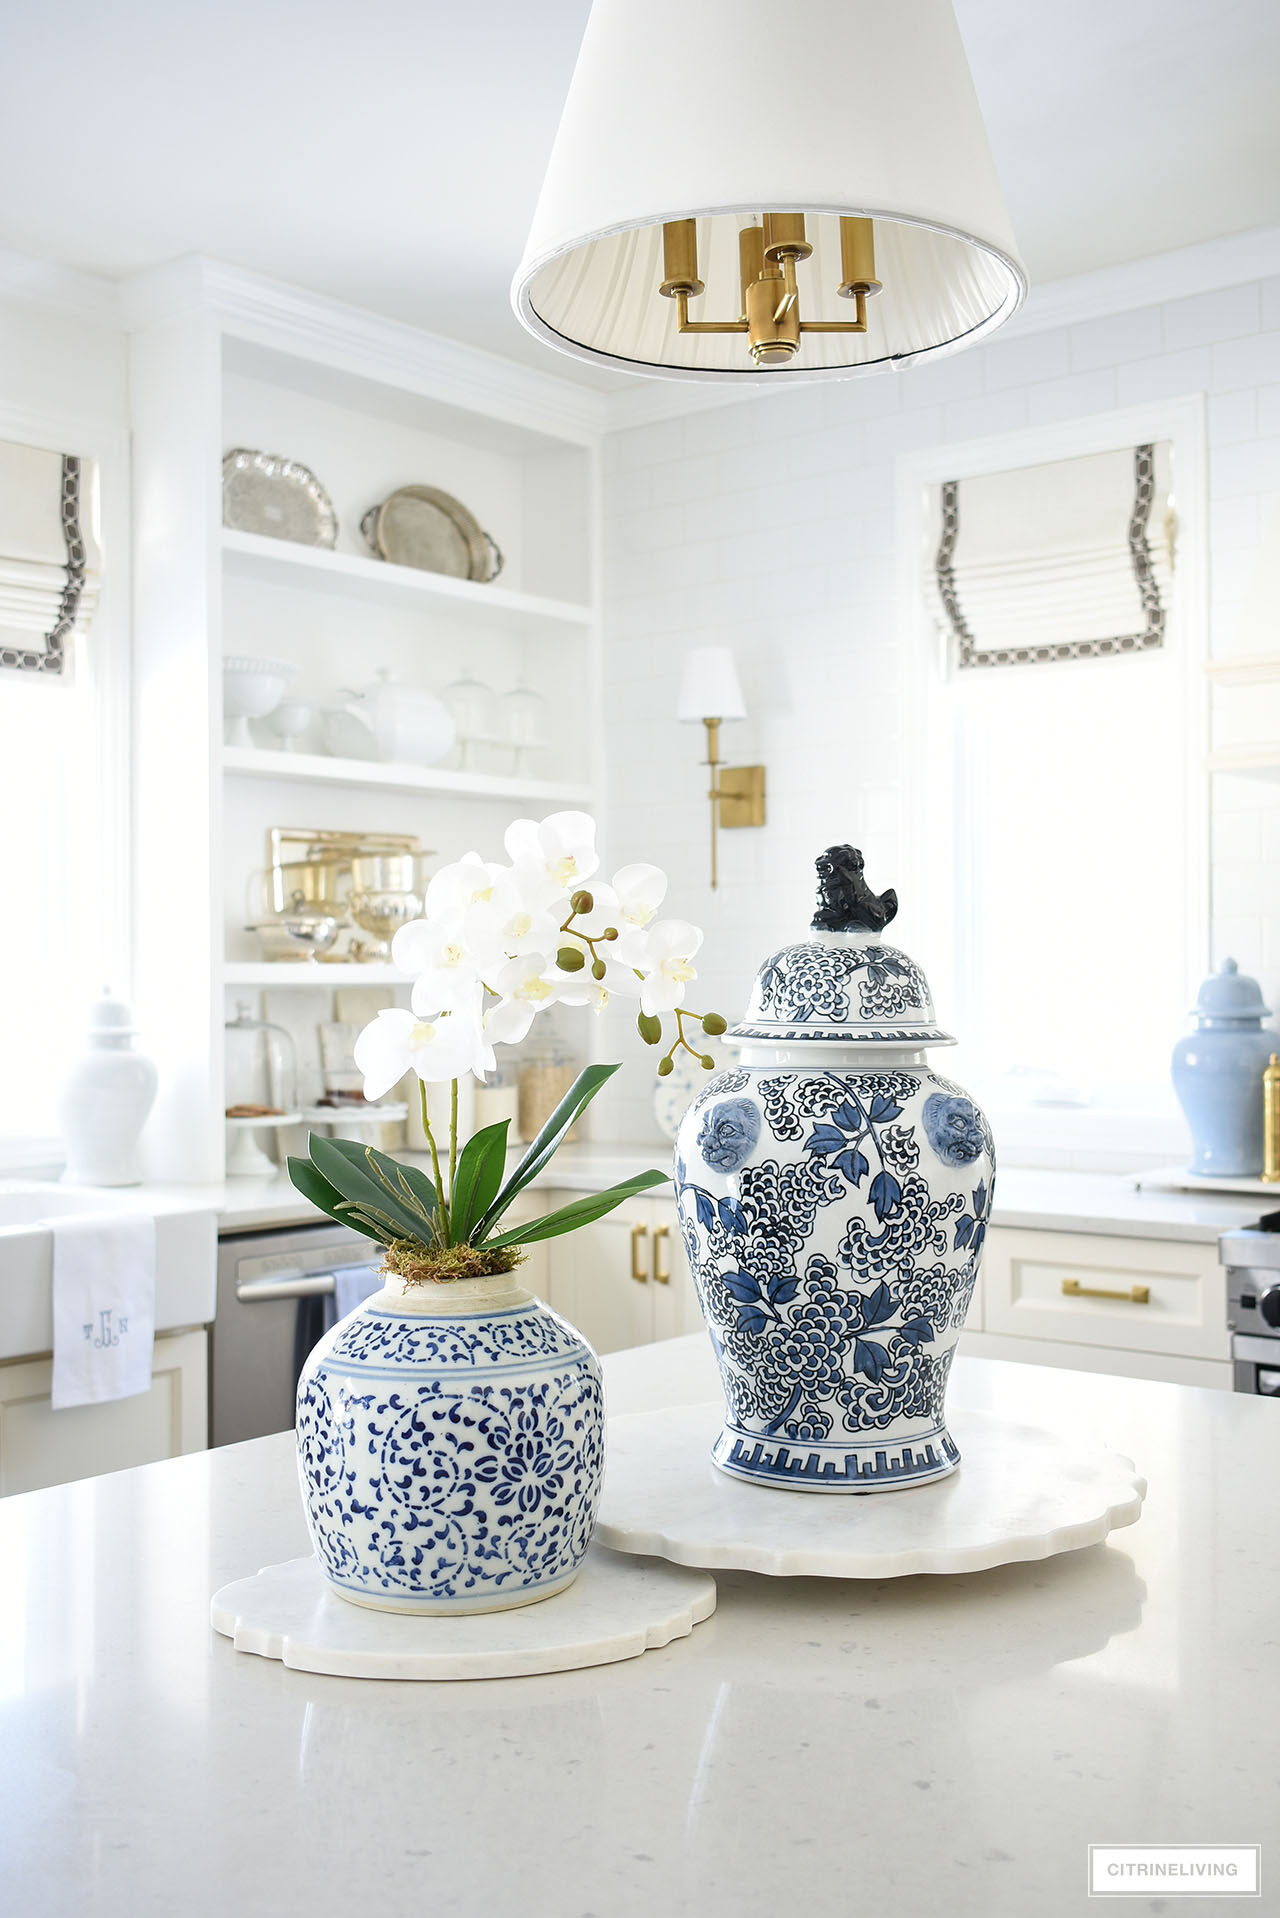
column 624, row 1280
column 1090, row 1301
column 40, row 1447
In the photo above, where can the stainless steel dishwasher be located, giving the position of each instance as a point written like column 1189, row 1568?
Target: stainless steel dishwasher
column 263, row 1279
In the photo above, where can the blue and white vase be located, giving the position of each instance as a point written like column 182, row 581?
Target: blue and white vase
column 834, row 1194
column 451, row 1448
column 1217, row 1075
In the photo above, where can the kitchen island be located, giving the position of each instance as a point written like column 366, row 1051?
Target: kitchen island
column 907, row 1747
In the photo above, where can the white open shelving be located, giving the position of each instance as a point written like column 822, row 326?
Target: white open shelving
column 260, row 762
column 310, row 972
column 221, row 359
column 282, row 562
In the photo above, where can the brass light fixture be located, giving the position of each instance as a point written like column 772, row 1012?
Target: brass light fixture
column 710, row 693
column 777, row 169
column 768, row 255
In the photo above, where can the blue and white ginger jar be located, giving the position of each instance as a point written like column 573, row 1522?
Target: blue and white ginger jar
column 451, row 1448
column 834, row 1194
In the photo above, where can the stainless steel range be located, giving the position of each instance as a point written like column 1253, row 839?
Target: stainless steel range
column 1252, row 1259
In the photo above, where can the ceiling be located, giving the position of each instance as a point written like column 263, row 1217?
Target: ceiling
column 389, row 153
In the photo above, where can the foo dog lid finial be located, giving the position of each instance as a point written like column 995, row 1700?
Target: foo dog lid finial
column 846, row 902
column 843, row 986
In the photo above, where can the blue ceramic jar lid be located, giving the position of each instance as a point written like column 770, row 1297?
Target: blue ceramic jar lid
column 1229, row 993
column 843, row 985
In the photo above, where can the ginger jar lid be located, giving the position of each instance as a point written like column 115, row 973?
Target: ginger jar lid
column 1231, row 994
column 843, row 985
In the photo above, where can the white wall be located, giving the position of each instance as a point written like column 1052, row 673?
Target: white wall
column 769, row 523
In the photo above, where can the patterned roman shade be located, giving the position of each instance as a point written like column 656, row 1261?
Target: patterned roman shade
column 49, row 558
column 1072, row 559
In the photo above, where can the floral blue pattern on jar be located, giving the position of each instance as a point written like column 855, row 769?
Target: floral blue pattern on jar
column 834, row 1200
column 451, row 1462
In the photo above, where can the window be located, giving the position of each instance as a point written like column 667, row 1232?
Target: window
column 1062, row 801
column 63, row 697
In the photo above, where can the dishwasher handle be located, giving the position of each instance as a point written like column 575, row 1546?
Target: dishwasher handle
column 285, row 1285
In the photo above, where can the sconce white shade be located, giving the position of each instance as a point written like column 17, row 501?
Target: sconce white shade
column 723, row 109
column 709, row 687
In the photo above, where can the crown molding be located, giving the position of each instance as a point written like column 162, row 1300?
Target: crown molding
column 87, row 297
column 1203, row 268
column 272, row 314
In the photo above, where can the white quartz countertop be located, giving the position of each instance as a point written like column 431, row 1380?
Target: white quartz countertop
column 841, row 1750
column 1059, row 1201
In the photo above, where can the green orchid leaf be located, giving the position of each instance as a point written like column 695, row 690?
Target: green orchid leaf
column 402, row 1183
column 576, row 1099
column 475, row 1186
column 314, row 1186
column 345, row 1166
column 581, row 1212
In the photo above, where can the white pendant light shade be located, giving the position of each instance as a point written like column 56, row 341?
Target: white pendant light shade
column 724, row 110
column 709, row 687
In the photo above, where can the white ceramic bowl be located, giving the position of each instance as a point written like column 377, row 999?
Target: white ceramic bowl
column 251, row 688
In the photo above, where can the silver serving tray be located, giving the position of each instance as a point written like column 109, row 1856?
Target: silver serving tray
column 278, row 498
column 422, row 526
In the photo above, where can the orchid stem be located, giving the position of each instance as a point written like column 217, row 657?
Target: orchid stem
column 442, row 1206
column 453, row 1144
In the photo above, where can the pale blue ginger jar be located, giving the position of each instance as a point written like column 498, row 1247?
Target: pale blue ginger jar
column 834, row 1194
column 1217, row 1075
column 451, row 1448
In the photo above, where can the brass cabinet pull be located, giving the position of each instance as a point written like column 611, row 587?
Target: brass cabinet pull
column 661, row 1270
column 638, row 1232
column 1136, row 1295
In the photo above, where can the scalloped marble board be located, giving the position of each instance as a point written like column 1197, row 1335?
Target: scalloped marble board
column 1020, row 1493
column 614, row 1609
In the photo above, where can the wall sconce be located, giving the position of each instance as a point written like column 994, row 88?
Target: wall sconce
column 709, row 691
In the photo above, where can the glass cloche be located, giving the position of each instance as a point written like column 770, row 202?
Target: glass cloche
column 261, row 1071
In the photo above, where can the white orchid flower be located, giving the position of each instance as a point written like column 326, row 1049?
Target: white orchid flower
column 639, row 891
column 553, row 859
column 470, row 881
column 668, row 951
column 447, row 974
column 449, row 1046
column 526, row 987
column 581, row 989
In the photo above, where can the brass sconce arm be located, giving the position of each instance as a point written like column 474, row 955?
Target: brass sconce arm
column 736, row 794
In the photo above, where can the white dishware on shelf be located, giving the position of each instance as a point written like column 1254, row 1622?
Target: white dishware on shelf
column 345, row 734
column 472, row 704
column 105, row 1100
column 522, row 722
column 409, row 724
column 290, row 720
column 251, row 688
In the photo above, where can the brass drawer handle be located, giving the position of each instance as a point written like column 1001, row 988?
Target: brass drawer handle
column 1136, row 1295
column 638, row 1232
column 661, row 1269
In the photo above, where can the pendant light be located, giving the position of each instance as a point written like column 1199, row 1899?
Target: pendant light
column 742, row 193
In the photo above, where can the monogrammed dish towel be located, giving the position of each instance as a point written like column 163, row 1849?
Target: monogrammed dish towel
column 104, row 1306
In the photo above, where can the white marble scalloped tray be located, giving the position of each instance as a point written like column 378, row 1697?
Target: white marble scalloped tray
column 614, row 1609
column 1020, row 1493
